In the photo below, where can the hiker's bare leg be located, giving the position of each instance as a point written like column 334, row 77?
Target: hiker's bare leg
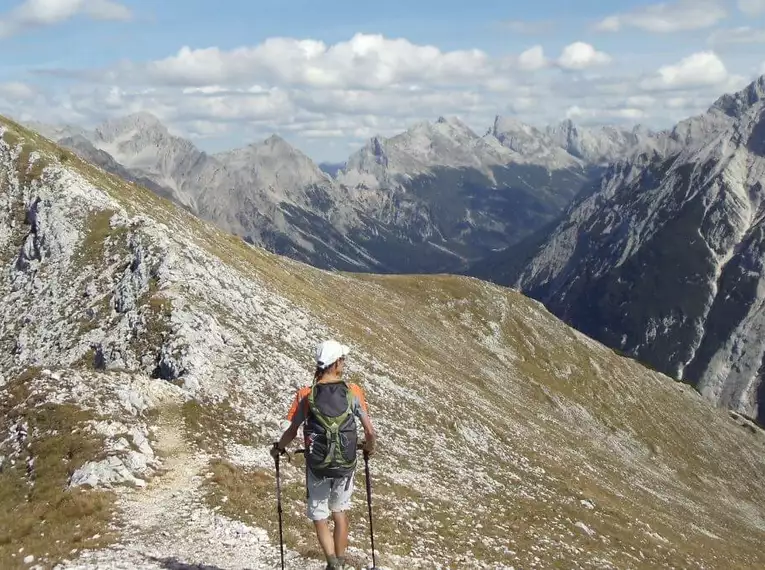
column 325, row 538
column 341, row 533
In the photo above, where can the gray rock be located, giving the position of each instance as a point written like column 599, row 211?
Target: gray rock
column 107, row 473
column 140, row 441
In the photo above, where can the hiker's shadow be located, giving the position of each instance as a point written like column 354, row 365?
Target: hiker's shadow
column 175, row 564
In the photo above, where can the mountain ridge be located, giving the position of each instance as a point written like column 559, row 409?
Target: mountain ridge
column 616, row 267
column 381, row 212
column 438, row 197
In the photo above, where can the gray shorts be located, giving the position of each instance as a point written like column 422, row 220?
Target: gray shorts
column 327, row 495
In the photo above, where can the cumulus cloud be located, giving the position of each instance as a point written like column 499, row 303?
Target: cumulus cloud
column 323, row 122
column 363, row 62
column 40, row 13
column 532, row 59
column 667, row 17
column 752, row 7
column 640, row 101
column 580, row 55
column 699, row 69
column 369, row 61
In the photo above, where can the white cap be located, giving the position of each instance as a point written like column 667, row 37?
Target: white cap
column 329, row 351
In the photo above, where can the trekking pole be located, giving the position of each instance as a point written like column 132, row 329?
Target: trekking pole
column 279, row 510
column 369, row 506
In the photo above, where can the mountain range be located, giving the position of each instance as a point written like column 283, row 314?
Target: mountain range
column 662, row 258
column 646, row 240
column 149, row 357
column 435, row 198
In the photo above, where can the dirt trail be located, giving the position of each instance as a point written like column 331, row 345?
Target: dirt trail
column 166, row 525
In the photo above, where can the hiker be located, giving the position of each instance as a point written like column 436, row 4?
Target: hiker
column 330, row 459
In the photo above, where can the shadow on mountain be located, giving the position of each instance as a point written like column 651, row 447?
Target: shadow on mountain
column 175, row 564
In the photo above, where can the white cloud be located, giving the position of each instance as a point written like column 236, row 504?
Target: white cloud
column 17, row 91
column 762, row 68
column 609, row 24
column 641, row 101
column 369, row 61
column 39, row 13
column 577, row 113
column 677, row 102
column 340, row 94
column 752, row 7
column 740, row 35
column 667, row 17
column 698, row 69
column 580, row 55
column 362, row 62
column 532, row 59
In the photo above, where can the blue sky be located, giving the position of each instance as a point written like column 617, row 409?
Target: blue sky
column 328, row 75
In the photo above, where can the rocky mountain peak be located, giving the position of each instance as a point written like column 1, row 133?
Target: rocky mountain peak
column 682, row 215
column 276, row 141
column 530, row 143
column 505, row 124
column 377, row 146
column 140, row 122
column 735, row 104
column 274, row 146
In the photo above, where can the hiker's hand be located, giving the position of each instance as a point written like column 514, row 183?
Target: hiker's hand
column 368, row 447
column 276, row 452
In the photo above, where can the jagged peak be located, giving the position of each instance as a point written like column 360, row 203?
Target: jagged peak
column 273, row 146
column 374, row 145
column 507, row 123
column 141, row 121
column 733, row 104
column 276, row 140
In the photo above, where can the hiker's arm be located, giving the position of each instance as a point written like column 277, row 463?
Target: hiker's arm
column 362, row 412
column 297, row 417
column 290, row 433
column 370, row 437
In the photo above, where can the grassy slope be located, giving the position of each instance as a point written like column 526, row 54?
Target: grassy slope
column 458, row 364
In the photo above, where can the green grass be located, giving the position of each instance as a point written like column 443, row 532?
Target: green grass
column 37, row 512
column 211, row 424
column 26, row 170
column 98, row 236
column 250, row 496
